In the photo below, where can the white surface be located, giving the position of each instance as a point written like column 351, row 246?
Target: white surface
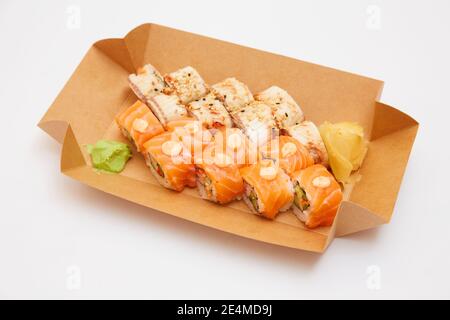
column 53, row 229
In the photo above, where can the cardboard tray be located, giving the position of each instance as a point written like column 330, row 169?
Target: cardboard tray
column 84, row 112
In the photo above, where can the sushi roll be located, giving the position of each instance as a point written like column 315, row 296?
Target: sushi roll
column 268, row 190
column 210, row 111
column 317, row 196
column 257, row 122
column 147, row 82
column 235, row 144
column 192, row 133
column 218, row 178
column 167, row 108
column 187, row 84
column 138, row 124
column 290, row 154
column 186, row 122
column 233, row 93
column 170, row 162
column 285, row 110
column 308, row 134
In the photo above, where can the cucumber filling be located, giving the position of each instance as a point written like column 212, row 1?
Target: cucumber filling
column 300, row 200
column 253, row 197
column 157, row 167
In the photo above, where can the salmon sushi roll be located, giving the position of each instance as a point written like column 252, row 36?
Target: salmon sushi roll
column 167, row 108
column 147, row 82
column 257, row 122
column 235, row 144
column 290, row 154
column 308, row 134
column 192, row 133
column 218, row 178
column 187, row 84
column 268, row 190
column 184, row 122
column 210, row 111
column 170, row 162
column 317, row 196
column 286, row 111
column 233, row 93
column 138, row 124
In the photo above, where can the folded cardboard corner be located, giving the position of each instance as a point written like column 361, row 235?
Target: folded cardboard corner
column 84, row 111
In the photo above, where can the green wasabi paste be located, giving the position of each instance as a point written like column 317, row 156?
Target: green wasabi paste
column 109, row 156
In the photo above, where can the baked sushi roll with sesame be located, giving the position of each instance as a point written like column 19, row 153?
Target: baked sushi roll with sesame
column 218, row 177
column 268, row 190
column 187, row 84
column 233, row 93
column 210, row 111
column 170, row 162
column 257, row 122
column 147, row 82
column 317, row 196
column 308, row 134
column 138, row 124
column 167, row 108
column 288, row 153
column 286, row 111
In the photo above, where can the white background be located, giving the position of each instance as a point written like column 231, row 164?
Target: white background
column 61, row 239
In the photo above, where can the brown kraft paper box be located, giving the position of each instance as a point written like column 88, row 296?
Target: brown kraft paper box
column 84, row 112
